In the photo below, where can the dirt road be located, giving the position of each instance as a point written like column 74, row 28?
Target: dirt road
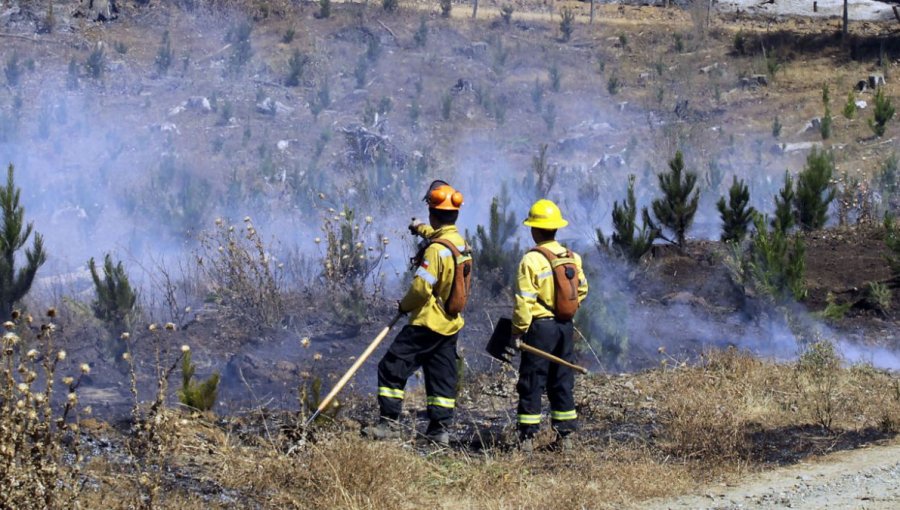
column 862, row 479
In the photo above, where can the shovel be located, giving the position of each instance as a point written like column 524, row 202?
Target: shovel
column 356, row 364
column 500, row 340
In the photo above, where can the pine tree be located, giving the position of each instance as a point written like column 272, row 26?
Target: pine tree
column 15, row 284
column 202, row 396
column 774, row 265
column 116, row 300
column 814, row 190
column 883, row 112
column 676, row 209
column 736, row 216
column 628, row 243
column 492, row 248
column 892, row 240
column 784, row 219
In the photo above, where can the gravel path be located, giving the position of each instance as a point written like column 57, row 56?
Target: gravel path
column 861, row 479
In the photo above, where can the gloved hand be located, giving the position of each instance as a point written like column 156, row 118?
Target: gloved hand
column 414, row 226
column 512, row 349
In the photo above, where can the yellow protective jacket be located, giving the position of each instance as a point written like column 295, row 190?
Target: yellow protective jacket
column 425, row 306
column 535, row 280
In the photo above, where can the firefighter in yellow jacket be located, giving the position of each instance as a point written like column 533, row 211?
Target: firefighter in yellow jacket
column 433, row 302
column 542, row 318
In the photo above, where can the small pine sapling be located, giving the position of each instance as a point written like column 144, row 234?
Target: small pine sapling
column 785, row 218
column 676, row 209
column 736, row 215
column 15, row 284
column 850, row 106
column 815, row 190
column 200, row 396
column 628, row 240
column 882, row 113
column 567, row 24
column 116, row 300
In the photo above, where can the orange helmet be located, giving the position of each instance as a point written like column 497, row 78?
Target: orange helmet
column 442, row 196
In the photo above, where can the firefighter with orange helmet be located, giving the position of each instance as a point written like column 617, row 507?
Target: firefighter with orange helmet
column 434, row 302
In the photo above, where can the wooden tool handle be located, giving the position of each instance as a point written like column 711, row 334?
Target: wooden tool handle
column 522, row 346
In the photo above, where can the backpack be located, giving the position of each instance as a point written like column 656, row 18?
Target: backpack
column 462, row 279
column 565, row 283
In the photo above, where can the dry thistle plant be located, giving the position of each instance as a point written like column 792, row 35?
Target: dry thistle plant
column 40, row 462
column 238, row 267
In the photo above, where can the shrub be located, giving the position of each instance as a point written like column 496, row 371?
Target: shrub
column 825, row 124
column 882, row 113
column 373, row 48
column 826, row 95
column 739, row 43
column 242, row 50
column 296, row 66
column 420, row 38
column 542, row 177
column 288, row 36
column 880, row 295
column 495, row 254
column 390, row 5
column 850, row 106
column 15, row 284
column 627, row 240
column 776, row 128
column 12, row 70
column 324, row 9
column 676, row 209
column 96, row 63
column 892, row 240
column 785, row 216
column 567, row 23
column 241, row 275
column 555, row 78
column 818, row 380
column 446, row 7
column 814, row 190
column 613, row 84
column 833, row 310
column 199, row 396
column 774, row 266
column 164, row 55
column 506, row 12
column 679, row 42
column 116, row 301
column 736, row 215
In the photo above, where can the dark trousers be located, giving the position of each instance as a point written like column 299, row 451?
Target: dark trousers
column 537, row 374
column 414, row 347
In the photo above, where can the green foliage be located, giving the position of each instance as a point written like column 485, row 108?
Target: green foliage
column 288, row 36
column 555, row 78
column 446, row 8
column 679, row 42
column 623, row 40
column 120, row 47
column 676, row 209
column 14, row 285
column 785, row 217
column 627, row 240
column 776, row 128
column 72, row 75
column 296, row 66
column 613, row 84
column 12, row 70
column 814, row 190
column 882, row 113
column 736, row 215
column 739, row 43
column 818, row 380
column 549, row 116
column 420, row 38
column 362, row 68
column 506, row 12
column 772, row 65
column 324, row 9
column 567, row 23
column 165, row 54
column 773, row 265
column 892, row 240
column 446, row 106
column 96, row 63
column 833, row 310
column 495, row 254
column 116, row 301
column 826, row 95
column 880, row 295
column 241, row 49
column 850, row 106
column 825, row 124
column 199, row 396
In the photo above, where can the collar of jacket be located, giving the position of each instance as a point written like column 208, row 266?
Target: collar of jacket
column 553, row 245
column 446, row 229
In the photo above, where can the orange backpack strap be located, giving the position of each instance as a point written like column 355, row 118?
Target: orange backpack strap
column 459, row 288
column 565, row 283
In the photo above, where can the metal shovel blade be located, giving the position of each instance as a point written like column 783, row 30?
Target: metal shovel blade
column 500, row 340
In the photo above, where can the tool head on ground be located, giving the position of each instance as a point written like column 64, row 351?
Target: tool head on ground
column 443, row 197
column 545, row 215
column 501, row 340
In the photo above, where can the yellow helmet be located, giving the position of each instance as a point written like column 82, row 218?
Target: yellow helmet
column 544, row 214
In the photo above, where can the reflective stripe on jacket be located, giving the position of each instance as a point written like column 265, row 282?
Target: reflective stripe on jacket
column 435, row 270
column 534, row 281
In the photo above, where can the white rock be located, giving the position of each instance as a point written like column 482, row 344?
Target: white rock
column 861, row 104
